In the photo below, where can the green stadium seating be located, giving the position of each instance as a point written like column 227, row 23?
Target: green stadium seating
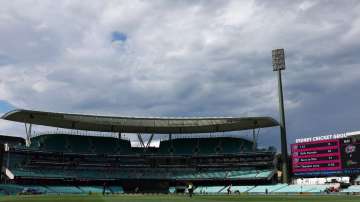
column 237, row 189
column 205, row 146
column 42, row 189
column 184, row 146
column 264, row 173
column 208, row 146
column 172, row 190
column 80, row 144
column 296, row 188
column 243, row 174
column 230, row 146
column 276, row 188
column 91, row 189
column 89, row 158
column 53, row 142
column 165, row 148
column 209, row 189
column 10, row 189
column 65, row 189
column 104, row 145
column 352, row 189
column 116, row 189
column 269, row 188
column 97, row 174
column 110, row 145
column 16, row 160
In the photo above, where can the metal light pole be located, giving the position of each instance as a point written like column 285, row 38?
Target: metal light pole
column 278, row 62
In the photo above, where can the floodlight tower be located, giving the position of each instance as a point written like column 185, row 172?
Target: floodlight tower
column 278, row 62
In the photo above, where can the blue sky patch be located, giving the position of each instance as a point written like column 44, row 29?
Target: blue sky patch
column 118, row 36
column 5, row 106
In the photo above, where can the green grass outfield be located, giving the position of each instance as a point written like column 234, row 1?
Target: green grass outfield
column 178, row 198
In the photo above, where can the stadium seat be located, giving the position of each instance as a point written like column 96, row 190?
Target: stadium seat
column 296, row 188
column 116, row 189
column 91, row 189
column 79, row 144
column 264, row 173
column 104, row 145
column 352, row 189
column 42, row 189
column 172, row 190
column 269, row 188
column 51, row 142
column 65, row 189
column 208, row 145
column 205, row 146
column 10, row 189
column 238, row 189
column 209, row 189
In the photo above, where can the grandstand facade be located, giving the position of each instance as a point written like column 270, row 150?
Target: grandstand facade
column 62, row 159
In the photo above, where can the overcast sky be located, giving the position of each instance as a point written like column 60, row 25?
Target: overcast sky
column 184, row 58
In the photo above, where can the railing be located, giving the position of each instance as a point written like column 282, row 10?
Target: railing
column 79, row 133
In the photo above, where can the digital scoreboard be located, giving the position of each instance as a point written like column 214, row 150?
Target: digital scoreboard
column 326, row 157
column 350, row 155
column 316, row 156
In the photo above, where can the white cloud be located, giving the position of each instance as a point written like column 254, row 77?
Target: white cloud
column 180, row 57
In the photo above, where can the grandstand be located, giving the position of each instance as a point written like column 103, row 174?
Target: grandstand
column 68, row 163
column 201, row 163
column 63, row 162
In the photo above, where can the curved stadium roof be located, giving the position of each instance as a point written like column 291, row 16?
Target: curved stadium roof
column 139, row 124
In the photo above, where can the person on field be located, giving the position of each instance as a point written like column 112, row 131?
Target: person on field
column 190, row 190
column 104, row 188
column 229, row 190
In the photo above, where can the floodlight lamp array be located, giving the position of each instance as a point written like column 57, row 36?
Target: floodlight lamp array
column 278, row 59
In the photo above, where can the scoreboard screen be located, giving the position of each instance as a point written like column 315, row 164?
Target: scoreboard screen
column 326, row 157
column 316, row 156
column 350, row 155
